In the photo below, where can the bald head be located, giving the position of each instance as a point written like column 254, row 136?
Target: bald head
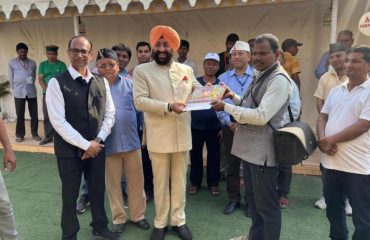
column 79, row 37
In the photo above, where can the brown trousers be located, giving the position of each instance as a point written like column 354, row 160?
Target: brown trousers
column 128, row 164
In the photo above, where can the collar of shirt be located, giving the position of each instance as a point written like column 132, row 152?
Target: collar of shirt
column 123, row 72
column 118, row 81
column 186, row 62
column 76, row 74
column 334, row 73
column 248, row 71
column 203, row 83
column 365, row 84
column 25, row 60
column 288, row 54
column 257, row 73
column 242, row 79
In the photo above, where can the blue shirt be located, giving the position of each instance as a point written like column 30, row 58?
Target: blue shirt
column 205, row 119
column 123, row 72
column 322, row 67
column 124, row 136
column 22, row 75
column 294, row 103
column 238, row 84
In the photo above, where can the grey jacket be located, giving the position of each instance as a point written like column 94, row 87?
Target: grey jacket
column 254, row 143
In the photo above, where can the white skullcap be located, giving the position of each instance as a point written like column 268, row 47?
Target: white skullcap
column 240, row 45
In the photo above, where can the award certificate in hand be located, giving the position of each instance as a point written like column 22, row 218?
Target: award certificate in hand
column 202, row 97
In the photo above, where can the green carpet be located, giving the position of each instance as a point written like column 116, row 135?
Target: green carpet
column 35, row 193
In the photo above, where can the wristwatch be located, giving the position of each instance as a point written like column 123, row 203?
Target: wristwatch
column 169, row 107
column 99, row 140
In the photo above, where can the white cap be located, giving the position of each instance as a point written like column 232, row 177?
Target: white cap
column 213, row 56
column 240, row 45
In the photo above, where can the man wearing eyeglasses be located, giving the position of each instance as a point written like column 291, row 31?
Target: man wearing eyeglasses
column 122, row 148
column 81, row 111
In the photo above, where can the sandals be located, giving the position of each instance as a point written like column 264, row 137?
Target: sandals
column 215, row 191
column 193, row 190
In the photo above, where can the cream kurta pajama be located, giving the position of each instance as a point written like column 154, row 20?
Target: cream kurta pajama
column 167, row 134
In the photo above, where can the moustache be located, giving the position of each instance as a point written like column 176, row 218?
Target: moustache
column 164, row 52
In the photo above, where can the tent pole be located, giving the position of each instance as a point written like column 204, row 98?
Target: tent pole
column 76, row 25
column 334, row 21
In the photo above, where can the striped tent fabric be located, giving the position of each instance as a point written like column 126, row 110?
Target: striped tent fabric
column 24, row 7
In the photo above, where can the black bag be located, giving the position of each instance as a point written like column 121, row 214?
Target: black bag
column 294, row 143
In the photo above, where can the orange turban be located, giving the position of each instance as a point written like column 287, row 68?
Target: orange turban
column 168, row 33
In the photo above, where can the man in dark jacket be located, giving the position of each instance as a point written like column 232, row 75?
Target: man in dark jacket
column 81, row 111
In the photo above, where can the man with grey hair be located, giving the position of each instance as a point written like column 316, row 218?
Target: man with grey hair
column 345, row 37
column 257, row 114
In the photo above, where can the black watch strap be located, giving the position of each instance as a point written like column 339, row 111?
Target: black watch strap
column 99, row 140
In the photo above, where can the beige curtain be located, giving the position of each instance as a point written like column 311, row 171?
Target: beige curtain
column 205, row 29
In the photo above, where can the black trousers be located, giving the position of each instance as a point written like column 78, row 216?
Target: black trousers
column 20, row 106
column 209, row 137
column 337, row 186
column 70, row 172
column 147, row 168
column 232, row 168
column 284, row 179
column 260, row 187
column 48, row 128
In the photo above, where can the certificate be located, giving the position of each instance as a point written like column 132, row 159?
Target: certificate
column 202, row 97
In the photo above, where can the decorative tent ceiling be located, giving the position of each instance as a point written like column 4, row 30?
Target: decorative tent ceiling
column 19, row 9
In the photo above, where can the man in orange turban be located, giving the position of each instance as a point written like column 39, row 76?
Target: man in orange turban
column 161, row 88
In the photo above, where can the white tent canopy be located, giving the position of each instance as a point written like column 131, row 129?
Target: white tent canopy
column 12, row 8
column 8, row 6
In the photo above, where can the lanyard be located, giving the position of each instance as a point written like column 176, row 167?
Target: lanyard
column 23, row 64
column 240, row 78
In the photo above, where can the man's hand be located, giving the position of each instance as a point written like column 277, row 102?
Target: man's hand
column 9, row 157
column 220, row 136
column 85, row 156
column 177, row 107
column 327, row 146
column 218, row 105
column 93, row 150
column 233, row 127
column 228, row 93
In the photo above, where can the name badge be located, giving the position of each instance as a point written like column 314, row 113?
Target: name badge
column 29, row 80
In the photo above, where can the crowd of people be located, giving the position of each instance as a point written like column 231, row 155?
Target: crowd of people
column 127, row 132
